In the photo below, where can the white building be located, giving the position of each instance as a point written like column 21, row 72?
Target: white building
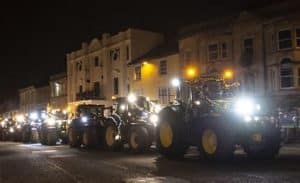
column 99, row 70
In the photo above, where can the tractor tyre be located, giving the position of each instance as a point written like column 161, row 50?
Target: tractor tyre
column 171, row 135
column 267, row 148
column 73, row 138
column 111, row 141
column 52, row 138
column 90, row 137
column 25, row 136
column 43, row 138
column 216, row 142
column 139, row 139
column 34, row 138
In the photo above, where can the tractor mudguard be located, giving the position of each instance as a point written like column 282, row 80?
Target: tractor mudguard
column 113, row 119
column 172, row 110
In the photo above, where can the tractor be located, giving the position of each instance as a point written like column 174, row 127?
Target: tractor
column 31, row 127
column 210, row 113
column 132, row 123
column 87, row 126
column 54, row 128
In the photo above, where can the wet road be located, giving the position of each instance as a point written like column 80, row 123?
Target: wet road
column 36, row 163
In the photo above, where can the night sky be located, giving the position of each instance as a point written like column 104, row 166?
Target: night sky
column 36, row 35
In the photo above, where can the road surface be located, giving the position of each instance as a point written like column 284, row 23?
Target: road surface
column 36, row 163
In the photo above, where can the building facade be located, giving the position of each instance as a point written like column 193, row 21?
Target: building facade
column 33, row 98
column 151, row 74
column 99, row 72
column 58, row 92
column 262, row 50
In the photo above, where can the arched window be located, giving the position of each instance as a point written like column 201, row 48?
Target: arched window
column 286, row 73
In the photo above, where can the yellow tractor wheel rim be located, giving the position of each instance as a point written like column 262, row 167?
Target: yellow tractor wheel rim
column 133, row 140
column 209, row 141
column 166, row 135
column 110, row 136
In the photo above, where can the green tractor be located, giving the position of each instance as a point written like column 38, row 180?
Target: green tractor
column 54, row 128
column 132, row 123
column 208, row 114
column 87, row 126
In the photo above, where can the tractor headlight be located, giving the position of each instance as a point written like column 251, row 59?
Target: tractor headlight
column 247, row 108
column 154, row 119
column 50, row 121
column 157, row 108
column 44, row 115
column 11, row 130
column 84, row 119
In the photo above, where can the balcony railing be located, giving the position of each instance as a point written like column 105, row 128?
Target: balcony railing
column 89, row 95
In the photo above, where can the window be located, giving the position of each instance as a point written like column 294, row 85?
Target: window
column 96, row 62
column 115, row 54
column 127, row 52
column 163, row 67
column 187, row 57
column 286, row 74
column 284, row 39
column 80, row 89
column 249, row 79
column 137, row 73
column 298, row 37
column 97, row 89
column 272, row 77
column 79, row 66
column 57, row 89
column 224, row 50
column 164, row 95
column 248, row 47
column 116, row 86
column 248, row 53
column 213, row 52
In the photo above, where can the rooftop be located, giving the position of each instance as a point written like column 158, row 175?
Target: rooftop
column 165, row 49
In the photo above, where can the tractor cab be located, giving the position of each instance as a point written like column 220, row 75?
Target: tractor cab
column 133, row 109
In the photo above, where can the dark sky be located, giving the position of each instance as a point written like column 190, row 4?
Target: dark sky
column 36, row 35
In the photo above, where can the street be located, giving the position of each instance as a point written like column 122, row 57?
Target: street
column 36, row 163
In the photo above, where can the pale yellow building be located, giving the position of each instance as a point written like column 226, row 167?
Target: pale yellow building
column 98, row 71
column 151, row 74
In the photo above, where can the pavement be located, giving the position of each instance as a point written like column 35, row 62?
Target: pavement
column 42, row 164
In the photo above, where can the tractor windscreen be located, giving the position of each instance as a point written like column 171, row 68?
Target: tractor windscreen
column 90, row 110
column 218, row 89
column 143, row 103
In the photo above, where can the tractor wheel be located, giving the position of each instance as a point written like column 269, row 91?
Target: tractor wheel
column 216, row 142
column 43, row 138
column 73, row 138
column 52, row 138
column 171, row 136
column 25, row 136
column 34, row 136
column 264, row 144
column 90, row 136
column 111, row 141
column 139, row 140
